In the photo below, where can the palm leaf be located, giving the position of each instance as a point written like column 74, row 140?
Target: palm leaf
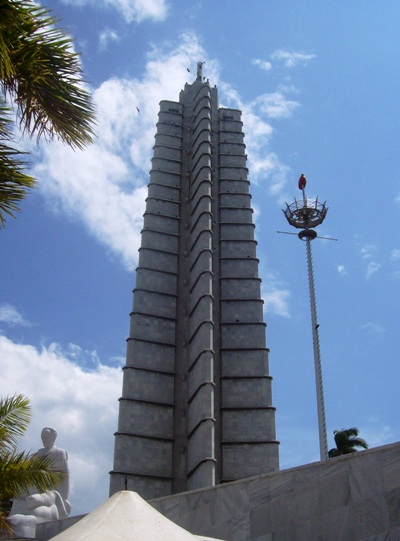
column 43, row 76
column 347, row 440
column 14, row 184
column 20, row 471
column 14, row 420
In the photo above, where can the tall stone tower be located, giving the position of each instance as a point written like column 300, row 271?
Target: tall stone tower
column 196, row 407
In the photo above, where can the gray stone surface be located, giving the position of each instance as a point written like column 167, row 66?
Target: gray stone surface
column 197, row 314
column 349, row 498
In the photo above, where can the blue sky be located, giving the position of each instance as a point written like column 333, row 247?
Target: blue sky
column 319, row 86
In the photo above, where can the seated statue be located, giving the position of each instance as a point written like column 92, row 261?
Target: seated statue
column 52, row 505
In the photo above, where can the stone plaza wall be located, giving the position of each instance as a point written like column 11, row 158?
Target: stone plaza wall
column 350, row 498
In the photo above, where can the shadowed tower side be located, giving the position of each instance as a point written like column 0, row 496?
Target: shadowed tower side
column 196, row 407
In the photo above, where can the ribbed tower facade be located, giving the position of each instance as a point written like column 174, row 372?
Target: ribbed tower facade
column 196, row 407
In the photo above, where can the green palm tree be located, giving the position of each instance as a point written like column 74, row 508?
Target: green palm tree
column 41, row 89
column 346, row 441
column 19, row 471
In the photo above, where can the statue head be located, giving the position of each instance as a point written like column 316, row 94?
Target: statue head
column 49, row 436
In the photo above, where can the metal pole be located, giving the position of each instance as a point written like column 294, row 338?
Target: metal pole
column 323, row 442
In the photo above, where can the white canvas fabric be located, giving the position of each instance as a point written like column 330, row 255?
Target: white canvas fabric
column 126, row 517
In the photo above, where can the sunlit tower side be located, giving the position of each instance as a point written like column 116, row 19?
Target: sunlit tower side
column 306, row 215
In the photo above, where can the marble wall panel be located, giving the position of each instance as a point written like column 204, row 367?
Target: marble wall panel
column 240, row 249
column 237, row 231
column 173, row 140
column 149, row 386
column 157, row 260
column 243, row 335
column 154, row 303
column 245, row 311
column 232, row 160
column 200, row 371
column 235, row 200
column 233, row 173
column 231, row 137
column 246, row 392
column 236, row 215
column 156, row 280
column 152, row 457
column 159, row 419
column 247, row 425
column 156, row 239
column 167, row 166
column 163, row 191
column 247, row 459
column 202, row 312
column 201, row 444
column 236, row 289
column 239, row 268
column 150, row 355
column 168, row 128
column 146, row 487
column 166, row 178
column 153, row 329
column 251, row 362
column 156, row 205
column 201, row 406
column 232, row 148
column 168, row 152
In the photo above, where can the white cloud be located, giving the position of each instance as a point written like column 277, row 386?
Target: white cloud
column 276, row 105
column 377, row 434
column 372, row 328
column 395, row 254
column 131, row 10
column 372, row 268
column 275, row 297
column 90, row 185
column 292, row 59
column 105, row 185
column 264, row 165
column 82, row 405
column 341, row 269
column 369, row 253
column 106, row 37
column 10, row 315
column 262, row 64
column 268, row 167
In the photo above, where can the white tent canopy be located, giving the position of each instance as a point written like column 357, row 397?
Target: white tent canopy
column 126, row 517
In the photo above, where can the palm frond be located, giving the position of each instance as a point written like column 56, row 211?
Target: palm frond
column 14, row 183
column 14, row 420
column 20, row 471
column 42, row 74
column 5, row 525
column 347, row 440
column 359, row 442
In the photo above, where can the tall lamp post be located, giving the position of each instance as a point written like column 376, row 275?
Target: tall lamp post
column 307, row 214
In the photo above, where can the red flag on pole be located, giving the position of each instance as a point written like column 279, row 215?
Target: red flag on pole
column 302, row 182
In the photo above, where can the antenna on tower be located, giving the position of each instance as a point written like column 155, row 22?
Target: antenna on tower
column 200, row 71
column 306, row 215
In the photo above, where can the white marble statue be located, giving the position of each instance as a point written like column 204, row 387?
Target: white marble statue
column 52, row 505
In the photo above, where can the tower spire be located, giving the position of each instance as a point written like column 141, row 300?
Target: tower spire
column 200, row 71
